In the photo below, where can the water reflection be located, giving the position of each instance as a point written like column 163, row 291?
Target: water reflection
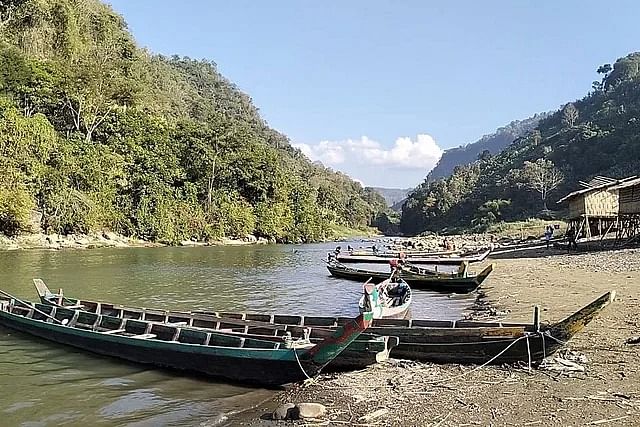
column 52, row 385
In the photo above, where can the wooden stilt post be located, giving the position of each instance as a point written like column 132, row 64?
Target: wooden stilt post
column 536, row 318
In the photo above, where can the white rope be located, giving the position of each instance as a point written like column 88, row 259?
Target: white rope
column 481, row 366
column 526, row 336
column 300, row 364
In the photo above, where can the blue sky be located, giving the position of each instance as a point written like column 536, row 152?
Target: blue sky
column 378, row 88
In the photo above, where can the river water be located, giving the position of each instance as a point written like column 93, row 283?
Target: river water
column 44, row 384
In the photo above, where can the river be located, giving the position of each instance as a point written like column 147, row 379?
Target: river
column 45, row 384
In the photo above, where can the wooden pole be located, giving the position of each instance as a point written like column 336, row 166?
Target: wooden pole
column 536, row 318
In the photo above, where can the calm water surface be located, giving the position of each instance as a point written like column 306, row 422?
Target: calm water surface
column 43, row 384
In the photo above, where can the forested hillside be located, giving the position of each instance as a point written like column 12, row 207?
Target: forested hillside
column 597, row 135
column 98, row 134
column 493, row 143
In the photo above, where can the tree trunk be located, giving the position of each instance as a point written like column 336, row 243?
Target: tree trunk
column 211, row 181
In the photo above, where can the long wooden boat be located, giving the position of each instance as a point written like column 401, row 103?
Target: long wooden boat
column 389, row 299
column 398, row 252
column 416, row 277
column 445, row 341
column 366, row 349
column 239, row 359
column 436, row 259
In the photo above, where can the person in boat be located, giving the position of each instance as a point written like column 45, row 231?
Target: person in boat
column 349, row 249
column 396, row 269
column 448, row 244
column 337, row 250
column 375, row 249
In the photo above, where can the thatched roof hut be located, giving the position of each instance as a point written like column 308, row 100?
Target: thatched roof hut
column 629, row 196
column 598, row 199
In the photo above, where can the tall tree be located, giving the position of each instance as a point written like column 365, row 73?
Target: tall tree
column 541, row 176
column 570, row 115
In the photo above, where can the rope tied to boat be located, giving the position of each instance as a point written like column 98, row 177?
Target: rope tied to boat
column 295, row 352
column 526, row 336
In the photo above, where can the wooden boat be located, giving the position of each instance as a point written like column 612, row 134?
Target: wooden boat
column 390, row 299
column 365, row 350
column 398, row 252
column 239, row 359
column 436, row 259
column 461, row 341
column 417, row 277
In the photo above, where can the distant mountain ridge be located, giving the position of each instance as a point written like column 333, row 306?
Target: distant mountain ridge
column 494, row 143
column 392, row 195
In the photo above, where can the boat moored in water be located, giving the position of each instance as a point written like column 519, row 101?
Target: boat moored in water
column 416, row 277
column 441, row 341
column 365, row 350
column 389, row 299
column 433, row 259
column 234, row 358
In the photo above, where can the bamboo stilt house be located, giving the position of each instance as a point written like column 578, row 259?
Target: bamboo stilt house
column 595, row 209
column 629, row 211
column 629, row 197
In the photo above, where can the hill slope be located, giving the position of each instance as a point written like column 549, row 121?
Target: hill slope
column 392, row 195
column 493, row 143
column 98, row 134
column 597, row 135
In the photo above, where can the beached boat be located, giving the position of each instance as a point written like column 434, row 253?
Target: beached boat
column 389, row 299
column 435, row 259
column 238, row 359
column 447, row 341
column 417, row 278
column 365, row 350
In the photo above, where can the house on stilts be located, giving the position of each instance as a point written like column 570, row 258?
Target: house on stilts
column 605, row 205
column 628, row 229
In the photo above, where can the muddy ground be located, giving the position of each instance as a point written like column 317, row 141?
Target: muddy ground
column 607, row 393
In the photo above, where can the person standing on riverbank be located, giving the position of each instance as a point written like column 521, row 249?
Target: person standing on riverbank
column 548, row 235
column 571, row 239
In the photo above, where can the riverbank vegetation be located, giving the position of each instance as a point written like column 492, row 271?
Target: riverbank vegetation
column 98, row 134
column 597, row 135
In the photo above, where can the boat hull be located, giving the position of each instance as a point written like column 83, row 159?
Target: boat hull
column 445, row 341
column 438, row 283
column 445, row 260
column 237, row 365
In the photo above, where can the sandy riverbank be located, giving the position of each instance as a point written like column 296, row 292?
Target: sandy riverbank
column 607, row 393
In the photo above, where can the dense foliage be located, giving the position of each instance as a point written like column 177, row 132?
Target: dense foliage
column 97, row 134
column 597, row 135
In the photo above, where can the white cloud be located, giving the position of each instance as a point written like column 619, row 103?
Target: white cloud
column 404, row 164
column 421, row 153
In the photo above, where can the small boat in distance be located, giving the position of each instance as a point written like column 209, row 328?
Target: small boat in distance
column 418, row 278
column 389, row 299
column 239, row 359
column 435, row 259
